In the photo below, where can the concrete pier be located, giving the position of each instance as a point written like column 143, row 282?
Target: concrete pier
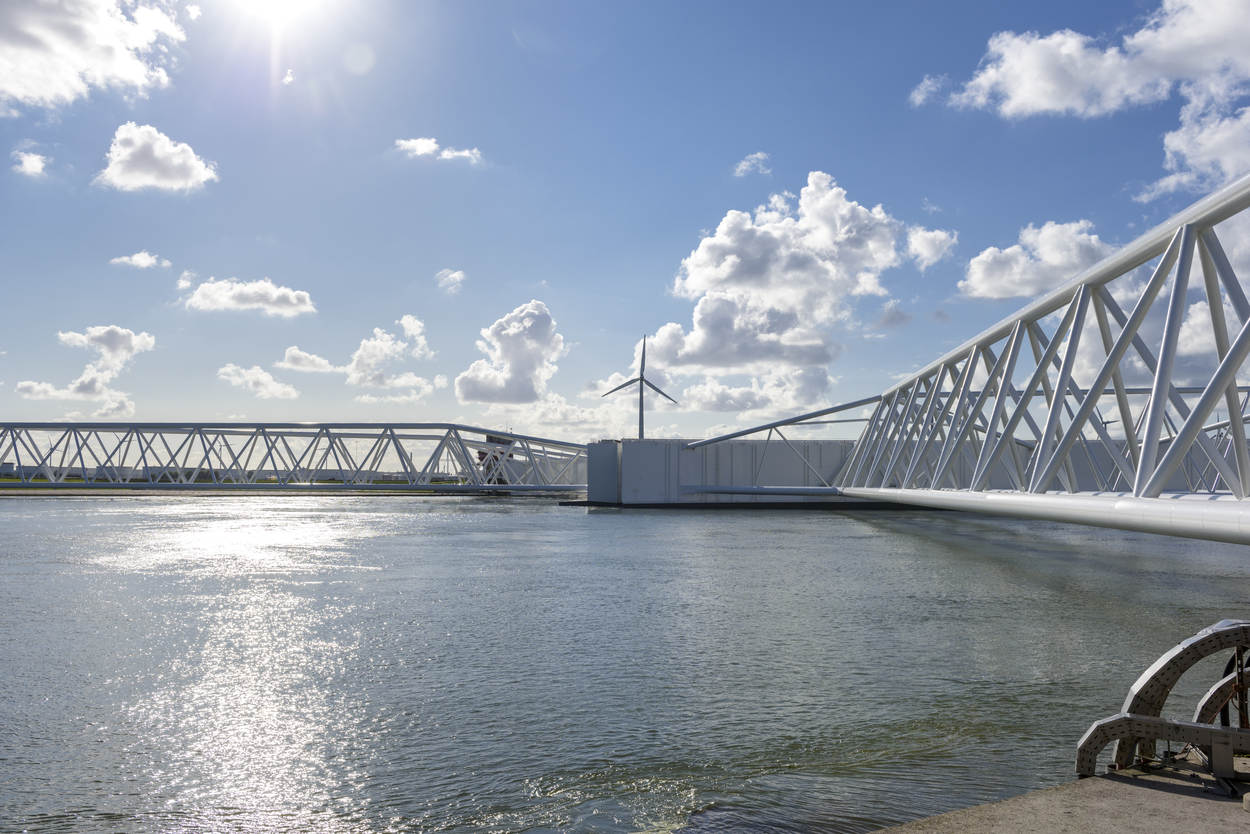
column 1172, row 798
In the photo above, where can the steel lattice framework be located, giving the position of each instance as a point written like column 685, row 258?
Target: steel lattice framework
column 1117, row 399
column 425, row 457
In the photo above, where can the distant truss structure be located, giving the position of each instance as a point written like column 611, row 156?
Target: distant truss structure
column 423, row 457
column 1117, row 399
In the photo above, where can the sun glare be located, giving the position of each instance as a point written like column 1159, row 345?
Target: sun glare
column 280, row 13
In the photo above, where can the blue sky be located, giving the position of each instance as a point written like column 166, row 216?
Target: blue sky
column 797, row 202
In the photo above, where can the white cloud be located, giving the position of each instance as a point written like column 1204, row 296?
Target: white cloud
column 193, row 11
column 775, row 393
column 263, row 295
column 521, row 348
column 928, row 87
column 471, row 155
column 143, row 157
column 428, row 146
column 298, row 360
column 450, row 280
column 29, row 164
column 115, row 347
column 1196, row 47
column 928, row 246
column 423, row 146
column 769, row 287
column 368, row 364
column 414, row 331
column 185, row 280
column 753, row 163
column 1043, row 259
column 143, row 259
column 1211, row 145
column 258, row 381
column 52, row 54
column 374, row 352
column 289, row 78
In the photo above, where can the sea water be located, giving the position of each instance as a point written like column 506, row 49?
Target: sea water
column 198, row 663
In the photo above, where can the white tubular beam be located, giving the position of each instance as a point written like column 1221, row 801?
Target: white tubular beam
column 1112, row 364
column 1219, row 328
column 1046, row 441
column 1163, row 369
column 1216, row 389
column 1199, row 516
column 1000, row 402
column 1208, row 211
column 285, row 456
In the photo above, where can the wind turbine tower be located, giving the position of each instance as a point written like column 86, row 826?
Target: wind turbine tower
column 643, row 384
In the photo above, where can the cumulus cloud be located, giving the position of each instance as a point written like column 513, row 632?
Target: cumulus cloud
column 29, row 164
column 768, row 286
column 928, row 87
column 928, row 246
column 115, row 347
column 185, row 280
column 753, row 163
column 258, row 381
column 521, row 349
column 370, row 363
column 52, row 54
column 1196, row 47
column 143, row 259
column 143, row 157
column 428, row 146
column 778, row 392
column 263, row 295
column 450, row 280
column 374, row 353
column 298, row 360
column 414, row 332
column 193, row 11
column 772, row 287
column 289, row 78
column 1043, row 259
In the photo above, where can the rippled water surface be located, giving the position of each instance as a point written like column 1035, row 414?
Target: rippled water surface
column 225, row 663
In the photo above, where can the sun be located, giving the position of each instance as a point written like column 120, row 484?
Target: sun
column 280, row 13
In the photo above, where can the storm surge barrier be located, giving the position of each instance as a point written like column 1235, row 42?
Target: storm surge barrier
column 1118, row 399
column 419, row 457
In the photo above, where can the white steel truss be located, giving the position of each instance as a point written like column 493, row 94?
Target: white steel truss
column 424, row 457
column 1118, row 399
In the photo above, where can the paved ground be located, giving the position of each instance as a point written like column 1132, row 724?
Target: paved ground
column 1173, row 799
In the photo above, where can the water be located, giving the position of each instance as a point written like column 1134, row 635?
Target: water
column 224, row 663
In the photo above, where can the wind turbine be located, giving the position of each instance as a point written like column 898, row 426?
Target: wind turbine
column 643, row 384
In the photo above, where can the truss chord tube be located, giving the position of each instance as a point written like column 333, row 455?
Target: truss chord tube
column 1019, row 412
column 1111, row 365
column 955, row 408
column 1163, row 369
column 1174, row 396
column 1236, row 433
column 1216, row 389
column 1081, row 302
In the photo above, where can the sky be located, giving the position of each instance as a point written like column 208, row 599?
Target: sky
column 473, row 211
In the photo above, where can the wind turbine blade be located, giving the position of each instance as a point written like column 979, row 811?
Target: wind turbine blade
column 658, row 391
column 642, row 366
column 624, row 385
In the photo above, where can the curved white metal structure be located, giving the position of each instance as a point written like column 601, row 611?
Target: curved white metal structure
column 423, row 457
column 1139, row 723
column 1118, row 399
